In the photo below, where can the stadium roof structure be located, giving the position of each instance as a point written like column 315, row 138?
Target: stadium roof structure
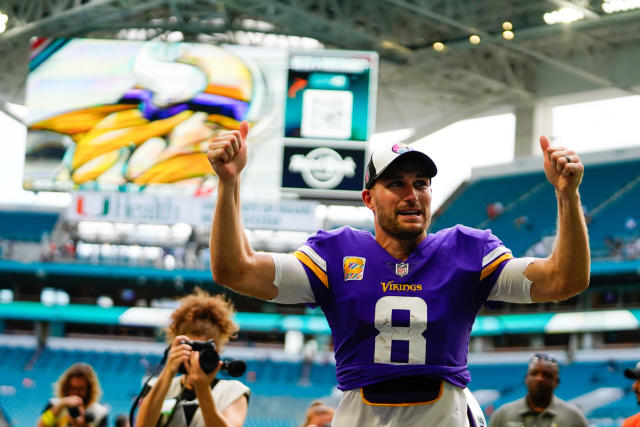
column 433, row 72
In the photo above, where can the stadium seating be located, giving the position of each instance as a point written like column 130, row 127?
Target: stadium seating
column 278, row 398
column 610, row 222
column 469, row 206
column 26, row 226
column 279, row 393
column 609, row 193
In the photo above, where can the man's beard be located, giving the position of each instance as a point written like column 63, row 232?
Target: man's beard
column 541, row 397
column 392, row 226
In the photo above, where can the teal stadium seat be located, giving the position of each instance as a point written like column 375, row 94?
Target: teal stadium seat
column 26, row 226
column 277, row 399
column 529, row 195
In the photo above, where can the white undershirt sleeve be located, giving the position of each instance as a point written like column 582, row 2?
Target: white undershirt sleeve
column 291, row 280
column 512, row 285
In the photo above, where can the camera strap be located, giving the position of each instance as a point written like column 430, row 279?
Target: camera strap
column 145, row 388
column 185, row 403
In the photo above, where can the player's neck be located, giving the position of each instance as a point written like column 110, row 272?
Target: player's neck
column 396, row 247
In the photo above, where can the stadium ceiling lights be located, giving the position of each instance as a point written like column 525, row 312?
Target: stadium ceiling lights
column 613, row 6
column 256, row 25
column 474, row 39
column 565, row 15
column 3, row 21
column 507, row 34
column 439, row 46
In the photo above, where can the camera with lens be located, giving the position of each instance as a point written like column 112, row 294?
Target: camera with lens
column 74, row 412
column 209, row 359
column 209, row 356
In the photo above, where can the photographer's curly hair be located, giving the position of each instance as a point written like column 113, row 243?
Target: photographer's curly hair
column 199, row 313
column 317, row 407
column 61, row 387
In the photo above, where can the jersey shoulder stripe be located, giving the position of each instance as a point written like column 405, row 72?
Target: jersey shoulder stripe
column 493, row 255
column 494, row 265
column 313, row 255
column 306, row 260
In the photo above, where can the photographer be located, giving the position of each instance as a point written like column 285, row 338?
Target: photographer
column 195, row 398
column 76, row 404
column 318, row 415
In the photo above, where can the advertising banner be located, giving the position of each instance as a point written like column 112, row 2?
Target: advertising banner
column 324, row 171
column 330, row 112
column 331, row 95
column 291, row 215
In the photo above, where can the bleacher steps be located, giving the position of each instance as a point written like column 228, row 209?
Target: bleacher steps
column 597, row 398
column 524, row 196
column 615, row 196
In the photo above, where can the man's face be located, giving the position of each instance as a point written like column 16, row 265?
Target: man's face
column 78, row 386
column 636, row 388
column 321, row 419
column 541, row 379
column 401, row 200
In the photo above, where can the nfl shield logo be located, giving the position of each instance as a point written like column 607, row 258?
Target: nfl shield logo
column 402, row 269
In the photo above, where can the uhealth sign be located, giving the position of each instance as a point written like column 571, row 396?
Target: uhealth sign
column 292, row 215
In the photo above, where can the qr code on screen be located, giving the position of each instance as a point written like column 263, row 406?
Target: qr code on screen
column 326, row 114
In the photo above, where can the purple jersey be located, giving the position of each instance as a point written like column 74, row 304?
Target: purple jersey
column 391, row 318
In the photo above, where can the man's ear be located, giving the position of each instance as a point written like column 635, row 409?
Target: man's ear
column 366, row 198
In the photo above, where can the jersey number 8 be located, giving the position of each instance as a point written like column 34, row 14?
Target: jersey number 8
column 400, row 322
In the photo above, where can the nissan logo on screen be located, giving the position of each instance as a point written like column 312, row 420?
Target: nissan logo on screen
column 322, row 167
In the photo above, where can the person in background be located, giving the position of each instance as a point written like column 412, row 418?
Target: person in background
column 196, row 398
column 540, row 407
column 122, row 420
column 318, row 415
column 633, row 374
column 76, row 403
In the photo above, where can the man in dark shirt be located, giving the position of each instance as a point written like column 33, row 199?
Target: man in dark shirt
column 540, row 407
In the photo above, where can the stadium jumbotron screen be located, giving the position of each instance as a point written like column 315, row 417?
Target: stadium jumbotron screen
column 130, row 115
column 116, row 115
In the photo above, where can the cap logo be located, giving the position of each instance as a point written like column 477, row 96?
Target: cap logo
column 401, row 148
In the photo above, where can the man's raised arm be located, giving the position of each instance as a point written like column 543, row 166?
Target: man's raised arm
column 233, row 263
column 565, row 272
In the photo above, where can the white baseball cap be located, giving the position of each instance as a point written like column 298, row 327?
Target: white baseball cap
column 382, row 158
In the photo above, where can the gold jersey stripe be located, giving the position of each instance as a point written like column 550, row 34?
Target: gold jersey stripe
column 321, row 275
column 492, row 267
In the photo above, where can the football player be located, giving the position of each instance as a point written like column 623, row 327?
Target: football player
column 400, row 303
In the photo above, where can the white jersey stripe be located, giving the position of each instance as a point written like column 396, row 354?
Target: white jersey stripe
column 493, row 255
column 317, row 259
